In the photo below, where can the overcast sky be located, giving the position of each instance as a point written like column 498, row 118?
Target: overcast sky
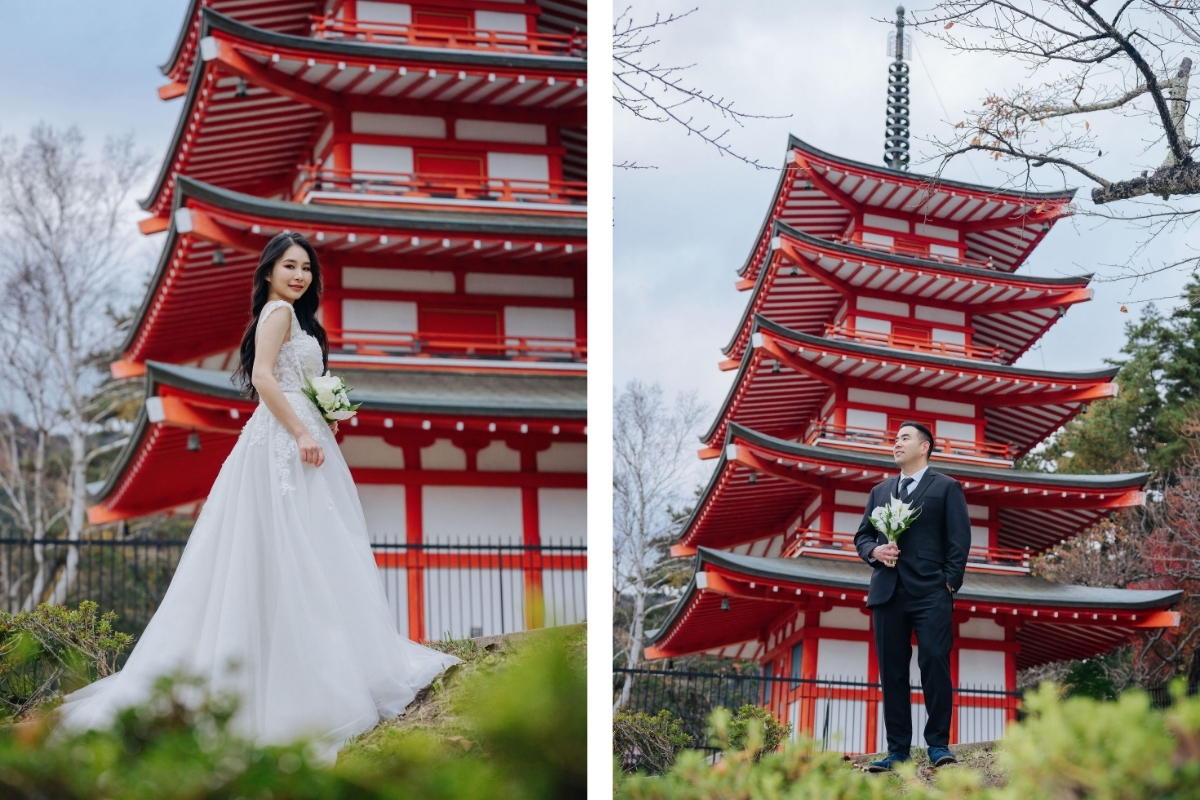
column 683, row 229
column 92, row 64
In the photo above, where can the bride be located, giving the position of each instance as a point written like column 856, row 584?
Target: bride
column 277, row 596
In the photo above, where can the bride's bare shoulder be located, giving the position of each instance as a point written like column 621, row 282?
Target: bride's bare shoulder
column 273, row 324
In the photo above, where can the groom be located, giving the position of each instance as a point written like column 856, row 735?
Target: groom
column 914, row 593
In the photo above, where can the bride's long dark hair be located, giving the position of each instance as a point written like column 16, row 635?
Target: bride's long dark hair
column 305, row 307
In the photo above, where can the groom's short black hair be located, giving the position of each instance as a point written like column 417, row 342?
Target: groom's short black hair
column 922, row 432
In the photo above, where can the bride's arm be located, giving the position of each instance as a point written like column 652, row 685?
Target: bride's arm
column 270, row 338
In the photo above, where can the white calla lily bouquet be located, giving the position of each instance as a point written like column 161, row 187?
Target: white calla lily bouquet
column 330, row 394
column 894, row 518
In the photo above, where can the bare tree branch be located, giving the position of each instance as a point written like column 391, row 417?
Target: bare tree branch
column 656, row 93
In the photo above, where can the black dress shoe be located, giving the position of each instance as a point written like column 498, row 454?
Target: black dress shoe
column 941, row 756
column 888, row 764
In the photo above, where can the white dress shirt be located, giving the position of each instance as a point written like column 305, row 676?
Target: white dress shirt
column 916, row 476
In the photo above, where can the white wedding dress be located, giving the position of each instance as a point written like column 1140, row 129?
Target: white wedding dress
column 277, row 578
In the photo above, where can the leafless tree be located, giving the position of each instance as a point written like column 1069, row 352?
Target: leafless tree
column 1085, row 61
column 652, row 449
column 657, row 93
column 63, row 243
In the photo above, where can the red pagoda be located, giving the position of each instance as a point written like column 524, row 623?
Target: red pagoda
column 877, row 297
column 434, row 153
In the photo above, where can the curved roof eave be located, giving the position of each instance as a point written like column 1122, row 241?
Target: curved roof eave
column 762, row 323
column 185, row 114
column 155, row 281
column 1126, row 480
column 925, row 264
column 918, row 263
column 356, row 216
column 167, row 67
column 123, row 457
column 213, row 20
column 796, row 143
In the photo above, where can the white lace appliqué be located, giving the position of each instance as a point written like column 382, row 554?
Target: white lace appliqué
column 299, row 359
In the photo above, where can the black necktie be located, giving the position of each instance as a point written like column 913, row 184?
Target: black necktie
column 904, row 484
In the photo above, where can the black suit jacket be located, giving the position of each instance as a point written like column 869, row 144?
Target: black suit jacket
column 933, row 552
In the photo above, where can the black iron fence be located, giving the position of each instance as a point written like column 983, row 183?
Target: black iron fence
column 459, row 589
column 841, row 715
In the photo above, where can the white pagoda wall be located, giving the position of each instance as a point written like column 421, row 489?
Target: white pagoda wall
column 463, row 600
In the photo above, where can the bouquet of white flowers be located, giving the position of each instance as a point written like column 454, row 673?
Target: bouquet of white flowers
column 894, row 518
column 329, row 394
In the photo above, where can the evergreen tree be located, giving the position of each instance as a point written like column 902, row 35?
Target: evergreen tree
column 1159, row 382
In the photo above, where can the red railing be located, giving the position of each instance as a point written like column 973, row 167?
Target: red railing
column 456, row 187
column 943, row 447
column 914, row 250
column 514, row 348
column 807, row 541
column 902, row 342
column 573, row 45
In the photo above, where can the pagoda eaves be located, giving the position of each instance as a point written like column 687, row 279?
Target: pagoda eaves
column 827, row 196
column 1051, row 621
column 176, row 323
column 764, row 489
column 257, row 136
column 413, row 409
column 789, row 381
column 813, row 283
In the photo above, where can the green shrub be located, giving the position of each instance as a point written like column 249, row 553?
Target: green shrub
column 770, row 731
column 1075, row 748
column 53, row 650
column 526, row 720
column 645, row 743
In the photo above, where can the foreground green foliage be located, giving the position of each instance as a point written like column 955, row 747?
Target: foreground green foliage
column 644, row 743
column 525, row 719
column 51, row 651
column 1075, row 748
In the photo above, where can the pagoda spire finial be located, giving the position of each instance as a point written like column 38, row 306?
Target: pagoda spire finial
column 895, row 151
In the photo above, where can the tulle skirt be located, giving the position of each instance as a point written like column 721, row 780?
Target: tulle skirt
column 277, row 598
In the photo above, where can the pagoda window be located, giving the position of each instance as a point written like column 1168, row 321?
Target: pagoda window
column 545, row 326
column 562, row 516
column 454, row 514
column 373, row 11
column 981, row 669
column 966, row 410
column 402, row 280
column 797, row 662
column 945, row 316
column 372, row 452
column 893, row 308
column 563, row 457
column 480, row 130
column 981, row 628
column 520, row 168
column 422, row 127
column 878, row 239
column 383, row 316
column 870, row 397
column 520, row 285
column 866, row 420
column 371, row 159
column 383, row 507
column 442, row 454
column 962, row 431
column 838, row 659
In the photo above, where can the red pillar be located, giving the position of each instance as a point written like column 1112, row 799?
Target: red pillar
column 414, row 525
column 531, row 559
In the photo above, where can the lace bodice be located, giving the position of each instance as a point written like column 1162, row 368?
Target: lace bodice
column 299, row 357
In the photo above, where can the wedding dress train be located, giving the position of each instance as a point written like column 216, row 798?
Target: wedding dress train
column 278, row 579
